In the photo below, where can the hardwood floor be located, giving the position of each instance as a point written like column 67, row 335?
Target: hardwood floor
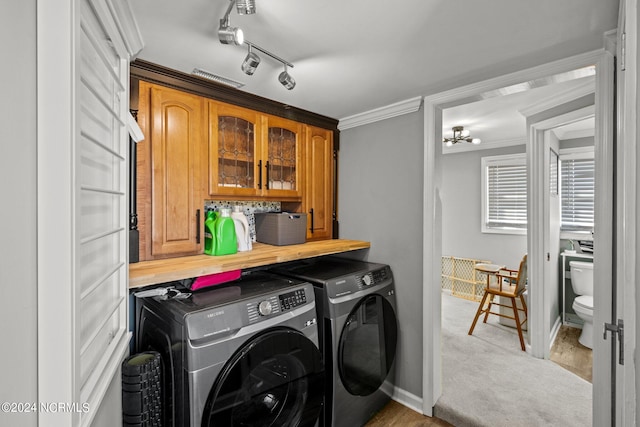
column 398, row 415
column 571, row 355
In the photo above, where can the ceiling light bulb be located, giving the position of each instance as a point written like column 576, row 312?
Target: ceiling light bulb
column 476, row 141
column 449, row 143
column 230, row 35
column 286, row 80
column 246, row 7
column 250, row 63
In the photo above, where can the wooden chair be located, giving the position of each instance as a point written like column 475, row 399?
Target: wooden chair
column 508, row 284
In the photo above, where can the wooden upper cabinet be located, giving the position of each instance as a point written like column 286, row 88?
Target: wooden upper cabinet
column 177, row 122
column 253, row 154
column 197, row 148
column 234, row 150
column 319, row 174
column 282, row 158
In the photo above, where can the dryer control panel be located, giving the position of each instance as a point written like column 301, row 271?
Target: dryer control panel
column 360, row 281
column 373, row 278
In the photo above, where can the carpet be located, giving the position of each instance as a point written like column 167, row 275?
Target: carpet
column 488, row 381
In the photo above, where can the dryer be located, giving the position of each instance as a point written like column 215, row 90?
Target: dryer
column 241, row 354
column 358, row 334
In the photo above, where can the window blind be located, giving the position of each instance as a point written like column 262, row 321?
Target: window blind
column 506, row 196
column 577, row 198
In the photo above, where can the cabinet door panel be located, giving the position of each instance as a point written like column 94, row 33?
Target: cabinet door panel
column 176, row 176
column 318, row 198
column 283, row 156
column 234, row 151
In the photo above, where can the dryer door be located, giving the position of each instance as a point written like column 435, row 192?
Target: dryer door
column 367, row 345
column 274, row 379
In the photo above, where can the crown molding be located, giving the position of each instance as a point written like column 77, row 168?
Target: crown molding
column 127, row 26
column 399, row 108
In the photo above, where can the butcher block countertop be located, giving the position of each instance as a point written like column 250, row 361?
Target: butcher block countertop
column 166, row 270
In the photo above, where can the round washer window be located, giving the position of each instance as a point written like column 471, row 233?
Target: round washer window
column 367, row 345
column 276, row 379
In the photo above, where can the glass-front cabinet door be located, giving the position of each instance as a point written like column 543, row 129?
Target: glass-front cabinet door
column 253, row 154
column 282, row 158
column 234, row 150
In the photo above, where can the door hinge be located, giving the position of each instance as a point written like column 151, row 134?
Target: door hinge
column 619, row 330
column 623, row 51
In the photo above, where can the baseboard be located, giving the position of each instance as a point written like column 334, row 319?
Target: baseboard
column 554, row 331
column 407, row 399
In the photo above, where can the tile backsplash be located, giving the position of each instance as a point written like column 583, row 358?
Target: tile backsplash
column 248, row 207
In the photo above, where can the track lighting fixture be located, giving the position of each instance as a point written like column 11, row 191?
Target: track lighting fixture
column 246, row 7
column 250, row 63
column 286, row 79
column 228, row 34
column 460, row 135
column 233, row 35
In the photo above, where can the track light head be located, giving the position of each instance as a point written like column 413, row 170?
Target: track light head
column 250, row 63
column 286, row 80
column 246, row 7
column 230, row 35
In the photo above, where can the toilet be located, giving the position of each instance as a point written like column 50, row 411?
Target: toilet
column 582, row 284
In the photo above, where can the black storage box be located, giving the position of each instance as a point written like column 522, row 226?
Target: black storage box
column 281, row 228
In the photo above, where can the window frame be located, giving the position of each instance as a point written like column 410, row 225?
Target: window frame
column 504, row 160
column 577, row 153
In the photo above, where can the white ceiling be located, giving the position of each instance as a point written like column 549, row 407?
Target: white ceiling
column 501, row 120
column 353, row 56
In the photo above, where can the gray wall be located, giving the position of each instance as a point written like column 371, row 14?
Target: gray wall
column 18, row 310
column 462, row 211
column 380, row 200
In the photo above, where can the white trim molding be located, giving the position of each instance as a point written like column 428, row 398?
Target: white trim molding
column 586, row 88
column 409, row 400
column 399, row 108
column 127, row 26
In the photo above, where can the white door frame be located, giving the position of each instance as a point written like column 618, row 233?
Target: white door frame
column 628, row 223
column 432, row 247
column 537, row 207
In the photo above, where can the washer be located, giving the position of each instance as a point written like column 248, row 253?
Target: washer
column 240, row 354
column 358, row 334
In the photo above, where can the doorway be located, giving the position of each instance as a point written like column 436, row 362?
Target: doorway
column 432, row 250
column 501, row 123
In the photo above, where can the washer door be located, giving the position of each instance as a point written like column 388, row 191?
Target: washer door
column 274, row 379
column 367, row 345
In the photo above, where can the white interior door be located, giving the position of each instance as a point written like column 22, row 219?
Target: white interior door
column 627, row 220
column 603, row 254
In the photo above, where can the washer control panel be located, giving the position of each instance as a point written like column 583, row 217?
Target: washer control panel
column 275, row 304
column 262, row 307
column 293, row 299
